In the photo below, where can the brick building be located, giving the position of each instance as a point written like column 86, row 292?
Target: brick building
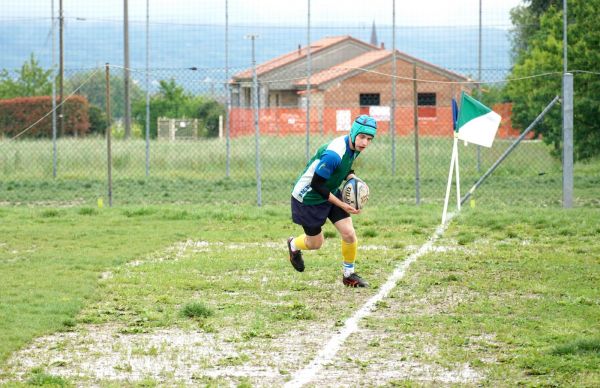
column 348, row 77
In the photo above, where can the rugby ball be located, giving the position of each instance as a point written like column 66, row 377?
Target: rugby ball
column 355, row 193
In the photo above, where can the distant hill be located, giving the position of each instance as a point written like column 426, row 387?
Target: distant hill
column 89, row 44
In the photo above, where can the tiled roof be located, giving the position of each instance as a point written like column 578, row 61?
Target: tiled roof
column 344, row 68
column 292, row 56
column 360, row 62
column 368, row 59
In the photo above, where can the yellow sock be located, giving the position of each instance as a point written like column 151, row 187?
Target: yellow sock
column 349, row 252
column 300, row 242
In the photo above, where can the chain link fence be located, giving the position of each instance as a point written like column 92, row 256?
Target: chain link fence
column 193, row 137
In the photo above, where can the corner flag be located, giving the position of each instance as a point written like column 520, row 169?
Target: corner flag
column 454, row 114
column 476, row 122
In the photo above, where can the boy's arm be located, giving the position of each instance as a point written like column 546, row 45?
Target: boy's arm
column 318, row 185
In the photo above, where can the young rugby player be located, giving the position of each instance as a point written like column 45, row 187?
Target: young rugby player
column 316, row 197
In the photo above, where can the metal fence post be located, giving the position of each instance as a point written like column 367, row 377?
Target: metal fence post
column 256, row 128
column 416, row 124
column 227, row 91
column 567, row 121
column 479, row 57
column 308, row 71
column 567, row 157
column 393, row 102
column 147, row 88
column 127, row 71
column 53, row 95
column 108, row 136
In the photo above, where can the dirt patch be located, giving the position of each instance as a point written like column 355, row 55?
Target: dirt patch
column 382, row 372
column 101, row 353
column 97, row 354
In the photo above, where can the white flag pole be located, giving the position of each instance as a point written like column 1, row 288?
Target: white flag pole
column 452, row 160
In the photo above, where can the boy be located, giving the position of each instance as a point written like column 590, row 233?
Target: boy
column 316, row 197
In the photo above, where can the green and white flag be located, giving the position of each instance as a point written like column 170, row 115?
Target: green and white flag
column 476, row 122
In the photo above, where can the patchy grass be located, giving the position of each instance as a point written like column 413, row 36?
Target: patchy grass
column 196, row 310
column 505, row 298
column 516, row 298
column 38, row 377
column 54, row 262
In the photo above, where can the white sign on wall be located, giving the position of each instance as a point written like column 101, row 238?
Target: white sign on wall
column 343, row 120
column 380, row 113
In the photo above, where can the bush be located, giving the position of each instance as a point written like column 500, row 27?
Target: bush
column 18, row 114
column 98, row 121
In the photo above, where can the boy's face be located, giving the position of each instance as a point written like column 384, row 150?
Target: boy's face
column 362, row 141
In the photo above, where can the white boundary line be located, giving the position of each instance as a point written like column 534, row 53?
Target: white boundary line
column 327, row 353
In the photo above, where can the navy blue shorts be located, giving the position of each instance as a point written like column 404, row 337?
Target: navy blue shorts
column 312, row 217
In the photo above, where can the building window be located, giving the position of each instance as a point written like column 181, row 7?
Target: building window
column 426, row 99
column 426, row 105
column 369, row 99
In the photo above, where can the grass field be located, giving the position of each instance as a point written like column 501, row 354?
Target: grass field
column 195, row 172
column 204, row 296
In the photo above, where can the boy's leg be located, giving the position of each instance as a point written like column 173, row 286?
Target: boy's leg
column 349, row 244
column 311, row 239
column 314, row 215
column 295, row 255
column 299, row 243
column 349, row 251
column 349, row 256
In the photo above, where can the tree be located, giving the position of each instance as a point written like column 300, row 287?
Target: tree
column 174, row 102
column 209, row 111
column 543, row 53
column 32, row 81
column 526, row 21
column 492, row 94
column 92, row 84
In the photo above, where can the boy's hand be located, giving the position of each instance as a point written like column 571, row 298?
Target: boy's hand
column 341, row 204
column 349, row 209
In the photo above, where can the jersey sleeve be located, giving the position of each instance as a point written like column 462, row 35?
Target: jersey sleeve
column 328, row 163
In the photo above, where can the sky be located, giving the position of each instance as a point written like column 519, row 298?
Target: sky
column 286, row 12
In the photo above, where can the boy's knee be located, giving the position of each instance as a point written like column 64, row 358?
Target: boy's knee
column 349, row 236
column 314, row 242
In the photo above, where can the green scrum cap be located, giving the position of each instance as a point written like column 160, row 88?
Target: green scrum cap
column 363, row 124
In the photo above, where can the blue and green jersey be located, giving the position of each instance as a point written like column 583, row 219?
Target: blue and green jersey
column 332, row 161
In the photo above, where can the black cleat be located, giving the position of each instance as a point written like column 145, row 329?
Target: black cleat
column 295, row 257
column 354, row 281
